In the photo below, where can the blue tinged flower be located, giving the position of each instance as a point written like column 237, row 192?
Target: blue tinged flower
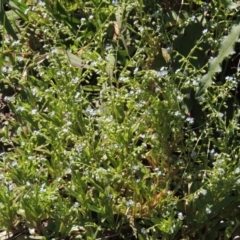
column 129, row 203
column 190, row 120
column 193, row 154
column 115, row 2
column 212, row 152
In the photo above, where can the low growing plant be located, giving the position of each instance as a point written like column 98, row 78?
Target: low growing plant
column 110, row 130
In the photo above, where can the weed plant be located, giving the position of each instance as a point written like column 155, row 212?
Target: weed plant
column 110, row 129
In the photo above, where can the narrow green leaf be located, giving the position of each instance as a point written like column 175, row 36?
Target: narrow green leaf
column 110, row 65
column 76, row 61
column 226, row 49
column 6, row 23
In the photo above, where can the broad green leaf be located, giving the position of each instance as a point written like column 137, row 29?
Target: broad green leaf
column 226, row 49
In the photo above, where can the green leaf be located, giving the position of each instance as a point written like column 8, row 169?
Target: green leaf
column 6, row 23
column 225, row 50
column 76, row 61
column 110, row 65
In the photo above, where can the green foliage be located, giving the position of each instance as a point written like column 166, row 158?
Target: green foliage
column 106, row 132
column 226, row 49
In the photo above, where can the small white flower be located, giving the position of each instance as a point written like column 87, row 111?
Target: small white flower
column 34, row 111
column 143, row 231
column 19, row 58
column 212, row 152
column 208, row 210
column 34, row 91
column 76, row 205
column 75, row 80
column 140, row 29
column 28, row 183
column 129, row 203
column 14, row 164
column 4, row 69
column 52, row 114
column 237, row 170
column 77, row 95
column 177, row 113
column 122, row 79
column 60, row 73
column 79, row 149
column 26, row 11
column 203, row 192
column 15, row 43
column 54, row 50
column 135, row 167
column 40, row 3
column 20, row 109
column 69, row 123
column 65, row 130
column 179, row 98
column 193, row 154
column 180, row 216
column 204, row 31
column 195, row 83
column 220, row 115
column 221, row 171
column 135, row 70
column 190, row 120
column 91, row 17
